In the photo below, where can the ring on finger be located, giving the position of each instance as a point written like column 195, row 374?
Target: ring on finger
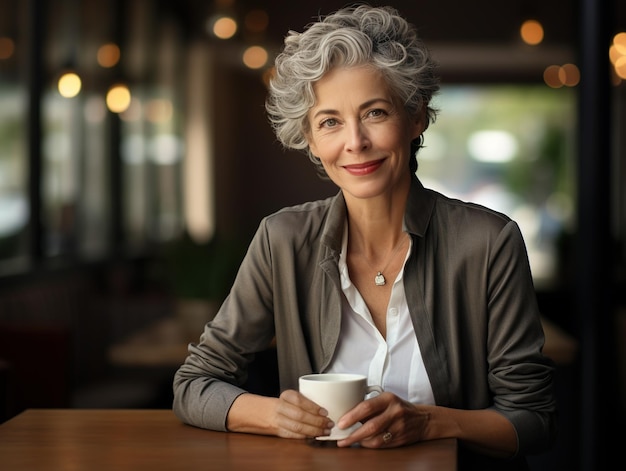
column 387, row 437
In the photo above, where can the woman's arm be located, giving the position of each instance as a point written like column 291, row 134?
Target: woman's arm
column 484, row 431
column 212, row 376
column 289, row 416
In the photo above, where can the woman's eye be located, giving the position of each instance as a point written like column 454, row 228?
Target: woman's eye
column 377, row 113
column 328, row 123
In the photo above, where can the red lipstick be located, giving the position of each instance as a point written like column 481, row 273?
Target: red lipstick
column 364, row 168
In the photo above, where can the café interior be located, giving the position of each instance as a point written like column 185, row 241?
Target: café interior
column 136, row 162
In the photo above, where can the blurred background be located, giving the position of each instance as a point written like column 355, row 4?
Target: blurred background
column 136, row 161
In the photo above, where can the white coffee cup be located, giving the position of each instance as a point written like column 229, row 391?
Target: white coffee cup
column 337, row 393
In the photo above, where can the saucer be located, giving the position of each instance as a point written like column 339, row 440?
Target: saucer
column 339, row 434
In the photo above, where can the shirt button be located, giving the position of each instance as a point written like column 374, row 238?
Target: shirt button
column 393, row 311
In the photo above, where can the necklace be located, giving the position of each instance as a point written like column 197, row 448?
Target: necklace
column 379, row 279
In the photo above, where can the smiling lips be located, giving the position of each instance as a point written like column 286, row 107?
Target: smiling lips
column 365, row 168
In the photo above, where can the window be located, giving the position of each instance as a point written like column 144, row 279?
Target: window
column 105, row 179
column 510, row 148
column 14, row 196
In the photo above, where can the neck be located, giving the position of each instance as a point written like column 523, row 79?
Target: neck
column 376, row 223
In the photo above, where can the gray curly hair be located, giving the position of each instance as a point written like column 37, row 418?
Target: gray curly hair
column 351, row 36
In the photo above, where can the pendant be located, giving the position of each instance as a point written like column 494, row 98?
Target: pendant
column 379, row 279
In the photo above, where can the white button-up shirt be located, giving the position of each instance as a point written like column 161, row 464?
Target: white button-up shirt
column 394, row 363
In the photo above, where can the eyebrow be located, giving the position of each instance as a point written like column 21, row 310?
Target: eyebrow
column 367, row 104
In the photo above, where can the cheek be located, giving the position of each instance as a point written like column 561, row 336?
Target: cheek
column 325, row 148
column 327, row 161
column 319, row 145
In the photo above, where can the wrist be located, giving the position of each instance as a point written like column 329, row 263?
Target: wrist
column 251, row 413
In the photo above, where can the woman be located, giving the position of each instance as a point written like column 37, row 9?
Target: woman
column 430, row 297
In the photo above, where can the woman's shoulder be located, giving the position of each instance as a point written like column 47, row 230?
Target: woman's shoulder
column 470, row 227
column 430, row 210
column 458, row 220
column 306, row 210
column 464, row 211
column 302, row 218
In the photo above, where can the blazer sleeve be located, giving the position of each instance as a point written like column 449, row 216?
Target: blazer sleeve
column 520, row 376
column 211, row 378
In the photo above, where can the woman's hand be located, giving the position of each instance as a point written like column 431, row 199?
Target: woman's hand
column 290, row 416
column 298, row 417
column 388, row 422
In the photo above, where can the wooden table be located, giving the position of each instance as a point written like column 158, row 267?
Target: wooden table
column 116, row 440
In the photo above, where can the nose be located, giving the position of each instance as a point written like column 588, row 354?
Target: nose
column 357, row 139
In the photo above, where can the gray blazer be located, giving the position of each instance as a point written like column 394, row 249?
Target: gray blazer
column 469, row 291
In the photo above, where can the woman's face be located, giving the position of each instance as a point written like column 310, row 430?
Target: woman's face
column 360, row 131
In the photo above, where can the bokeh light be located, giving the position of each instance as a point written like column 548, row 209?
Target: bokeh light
column 69, row 85
column 619, row 41
column 551, row 76
column 492, row 145
column 531, row 32
column 224, row 27
column 108, row 55
column 569, row 75
column 617, row 55
column 557, row 76
column 7, row 48
column 118, row 98
column 255, row 57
